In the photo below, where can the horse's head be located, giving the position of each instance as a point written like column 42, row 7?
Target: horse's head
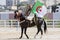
column 18, row 15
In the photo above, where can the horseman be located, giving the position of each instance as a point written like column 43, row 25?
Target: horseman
column 28, row 9
column 25, row 24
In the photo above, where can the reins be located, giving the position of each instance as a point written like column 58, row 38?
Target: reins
column 22, row 21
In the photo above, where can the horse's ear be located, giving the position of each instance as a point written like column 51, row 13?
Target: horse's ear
column 14, row 17
column 15, row 11
column 15, row 14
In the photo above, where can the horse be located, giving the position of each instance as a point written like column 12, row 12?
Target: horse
column 25, row 23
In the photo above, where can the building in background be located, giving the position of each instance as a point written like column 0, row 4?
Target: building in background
column 2, row 2
column 9, row 2
column 12, row 4
column 6, row 15
column 15, row 2
column 31, row 1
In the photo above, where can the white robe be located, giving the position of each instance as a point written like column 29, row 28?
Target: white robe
column 30, row 17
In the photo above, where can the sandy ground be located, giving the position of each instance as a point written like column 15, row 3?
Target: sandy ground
column 14, row 34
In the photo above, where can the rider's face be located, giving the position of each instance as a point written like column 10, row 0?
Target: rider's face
column 30, row 6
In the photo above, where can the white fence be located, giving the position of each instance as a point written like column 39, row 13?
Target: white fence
column 9, row 23
column 53, row 23
column 15, row 23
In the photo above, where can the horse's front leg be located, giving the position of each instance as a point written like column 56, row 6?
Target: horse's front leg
column 25, row 33
column 21, row 33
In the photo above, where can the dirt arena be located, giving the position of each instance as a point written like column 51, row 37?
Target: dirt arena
column 14, row 34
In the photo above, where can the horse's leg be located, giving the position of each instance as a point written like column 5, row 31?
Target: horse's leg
column 38, row 28
column 25, row 33
column 41, row 28
column 21, row 33
column 45, row 26
column 37, row 33
column 41, row 32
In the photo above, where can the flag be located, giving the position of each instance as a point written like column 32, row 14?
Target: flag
column 39, row 8
column 36, row 6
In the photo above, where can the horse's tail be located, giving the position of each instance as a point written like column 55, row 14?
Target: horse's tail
column 45, row 27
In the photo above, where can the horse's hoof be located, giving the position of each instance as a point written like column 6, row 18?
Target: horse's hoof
column 28, row 38
column 34, row 37
column 20, row 37
column 41, row 37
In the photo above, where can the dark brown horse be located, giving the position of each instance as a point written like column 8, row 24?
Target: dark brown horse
column 25, row 23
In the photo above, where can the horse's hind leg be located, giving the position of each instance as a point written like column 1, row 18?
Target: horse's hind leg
column 25, row 33
column 36, row 33
column 21, row 33
column 41, row 32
